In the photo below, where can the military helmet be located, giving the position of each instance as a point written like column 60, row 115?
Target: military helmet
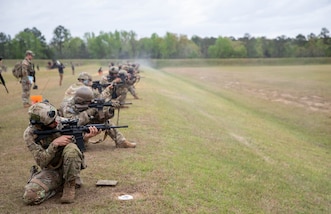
column 42, row 113
column 83, row 96
column 84, row 76
column 113, row 70
column 123, row 72
column 130, row 70
column 29, row 52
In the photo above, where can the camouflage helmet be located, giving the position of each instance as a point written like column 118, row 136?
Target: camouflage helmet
column 113, row 70
column 130, row 70
column 84, row 76
column 123, row 72
column 83, row 96
column 29, row 52
column 42, row 113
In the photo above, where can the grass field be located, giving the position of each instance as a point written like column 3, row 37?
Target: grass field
column 218, row 139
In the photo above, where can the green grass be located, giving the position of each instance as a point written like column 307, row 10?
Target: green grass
column 210, row 140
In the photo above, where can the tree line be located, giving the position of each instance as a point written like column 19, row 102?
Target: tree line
column 125, row 45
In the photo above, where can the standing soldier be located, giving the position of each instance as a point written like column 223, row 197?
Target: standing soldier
column 27, row 69
column 60, row 67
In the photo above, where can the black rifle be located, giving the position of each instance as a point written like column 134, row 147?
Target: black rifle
column 3, row 82
column 99, row 86
column 100, row 103
column 70, row 127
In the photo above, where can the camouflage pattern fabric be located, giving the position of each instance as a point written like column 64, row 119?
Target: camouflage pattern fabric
column 132, row 90
column 27, row 68
column 58, row 164
column 42, row 186
column 68, row 95
column 91, row 115
column 121, row 92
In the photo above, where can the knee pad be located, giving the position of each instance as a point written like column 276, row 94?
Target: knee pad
column 34, row 194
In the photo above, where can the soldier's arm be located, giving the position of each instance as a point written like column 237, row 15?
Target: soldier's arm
column 106, row 93
column 42, row 156
column 25, row 68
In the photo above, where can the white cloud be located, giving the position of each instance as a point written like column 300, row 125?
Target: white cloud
column 190, row 17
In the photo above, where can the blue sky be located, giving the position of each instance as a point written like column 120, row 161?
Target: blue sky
column 188, row 17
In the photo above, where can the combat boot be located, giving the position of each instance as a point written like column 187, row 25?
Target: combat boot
column 68, row 195
column 126, row 144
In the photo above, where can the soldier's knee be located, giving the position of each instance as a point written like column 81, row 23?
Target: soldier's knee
column 34, row 194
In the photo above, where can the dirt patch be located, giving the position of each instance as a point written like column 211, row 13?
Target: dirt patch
column 309, row 102
column 264, row 84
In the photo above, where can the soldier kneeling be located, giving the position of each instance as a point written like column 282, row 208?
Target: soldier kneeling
column 57, row 155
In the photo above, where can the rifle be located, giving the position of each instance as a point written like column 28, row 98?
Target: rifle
column 70, row 127
column 100, row 103
column 99, row 86
column 138, row 78
column 3, row 83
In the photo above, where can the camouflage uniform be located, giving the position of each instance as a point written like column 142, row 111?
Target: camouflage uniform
column 87, row 115
column 68, row 95
column 84, row 79
column 58, row 164
column 27, row 69
column 107, row 79
column 132, row 79
column 121, row 90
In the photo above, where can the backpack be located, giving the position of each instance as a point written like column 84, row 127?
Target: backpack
column 17, row 70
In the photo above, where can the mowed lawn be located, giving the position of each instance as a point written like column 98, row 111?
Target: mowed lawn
column 229, row 139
